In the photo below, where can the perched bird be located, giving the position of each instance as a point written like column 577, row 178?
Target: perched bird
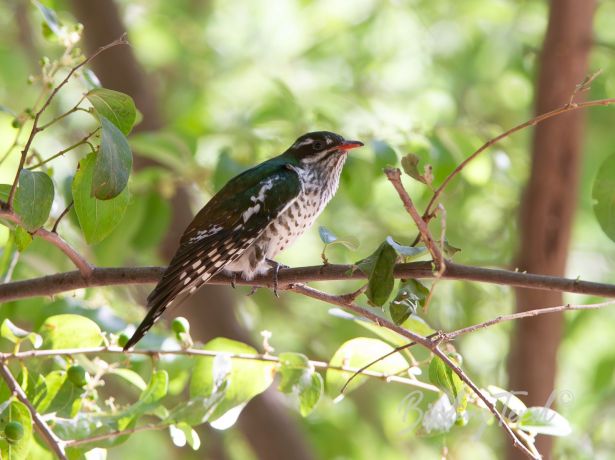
column 251, row 219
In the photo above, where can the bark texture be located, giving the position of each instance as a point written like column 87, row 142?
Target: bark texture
column 549, row 202
column 265, row 422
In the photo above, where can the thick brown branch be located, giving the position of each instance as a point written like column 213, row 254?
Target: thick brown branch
column 50, row 438
column 68, row 281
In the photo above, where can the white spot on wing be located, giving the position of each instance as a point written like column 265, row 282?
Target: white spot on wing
column 251, row 211
column 201, row 234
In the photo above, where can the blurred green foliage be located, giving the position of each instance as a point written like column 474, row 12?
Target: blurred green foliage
column 237, row 82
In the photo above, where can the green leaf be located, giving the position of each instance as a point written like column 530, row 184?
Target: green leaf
column 130, row 376
column 70, row 331
column 17, row 335
column 33, row 198
column 22, row 238
column 16, row 412
column 197, row 410
column 36, row 388
column 409, row 252
column 298, row 376
column 507, row 403
column 116, row 107
column 149, row 400
column 450, row 250
column 97, row 218
column 410, row 296
column 62, row 396
column 246, row 378
column 293, row 366
column 410, row 165
column 113, row 163
column 356, row 353
column 542, row 420
column 326, row 236
column 51, row 19
column 603, row 193
column 310, row 394
column 444, row 378
column 379, row 268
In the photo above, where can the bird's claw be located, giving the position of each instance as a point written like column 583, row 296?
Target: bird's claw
column 233, row 279
column 276, row 269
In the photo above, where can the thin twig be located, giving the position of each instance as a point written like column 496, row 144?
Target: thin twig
column 517, row 442
column 65, row 114
column 431, row 345
column 534, row 121
column 84, row 140
column 29, row 354
column 61, row 216
column 525, row 314
column 115, row 434
column 85, row 268
column 394, row 176
column 36, row 129
column 117, row 276
column 55, row 444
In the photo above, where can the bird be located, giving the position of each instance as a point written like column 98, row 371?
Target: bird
column 255, row 216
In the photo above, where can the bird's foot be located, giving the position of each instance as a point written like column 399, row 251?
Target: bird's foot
column 233, row 279
column 276, row 269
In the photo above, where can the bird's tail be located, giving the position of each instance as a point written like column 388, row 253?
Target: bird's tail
column 162, row 297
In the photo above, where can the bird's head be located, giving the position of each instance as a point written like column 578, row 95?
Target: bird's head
column 312, row 148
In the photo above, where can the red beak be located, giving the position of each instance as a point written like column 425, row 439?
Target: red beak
column 349, row 145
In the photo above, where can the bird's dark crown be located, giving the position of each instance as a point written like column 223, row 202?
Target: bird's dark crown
column 317, row 144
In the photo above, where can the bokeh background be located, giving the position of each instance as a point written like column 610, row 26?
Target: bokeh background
column 224, row 85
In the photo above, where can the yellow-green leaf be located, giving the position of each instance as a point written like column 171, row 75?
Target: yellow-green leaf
column 118, row 108
column 97, row 218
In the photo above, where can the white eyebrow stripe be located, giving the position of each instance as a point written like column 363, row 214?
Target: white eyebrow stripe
column 308, row 141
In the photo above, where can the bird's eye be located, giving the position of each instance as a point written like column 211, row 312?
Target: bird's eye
column 317, row 145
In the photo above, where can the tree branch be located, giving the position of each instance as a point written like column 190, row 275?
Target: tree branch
column 49, row 436
column 430, row 344
column 568, row 107
column 448, row 336
column 36, row 129
column 69, row 281
column 22, row 355
column 394, row 176
column 85, row 268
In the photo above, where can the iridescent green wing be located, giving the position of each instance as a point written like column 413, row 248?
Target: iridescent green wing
column 220, row 233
